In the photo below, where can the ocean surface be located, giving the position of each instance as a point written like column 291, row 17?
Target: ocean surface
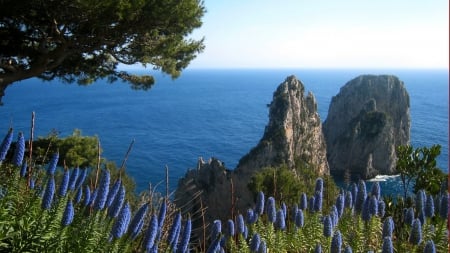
column 204, row 113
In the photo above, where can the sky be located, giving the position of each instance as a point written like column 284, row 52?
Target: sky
column 324, row 34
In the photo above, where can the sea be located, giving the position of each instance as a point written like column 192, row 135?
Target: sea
column 204, row 113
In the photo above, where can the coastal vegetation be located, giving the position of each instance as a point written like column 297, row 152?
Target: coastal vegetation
column 46, row 206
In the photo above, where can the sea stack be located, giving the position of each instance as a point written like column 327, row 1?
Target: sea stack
column 366, row 121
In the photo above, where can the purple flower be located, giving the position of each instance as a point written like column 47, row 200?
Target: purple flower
column 443, row 209
column 336, row 242
column 381, row 208
column 387, row 245
column 388, row 227
column 87, row 195
column 48, row 194
column 184, row 245
column 334, row 216
column 415, row 237
column 360, row 196
column 318, row 248
column 318, row 197
column 409, row 216
column 348, row 249
column 366, row 214
column 271, row 211
column 303, row 201
column 216, row 229
column 64, row 184
column 6, row 143
column 138, row 218
column 420, row 200
column 327, row 226
column 81, row 178
column 174, row 232
column 214, row 246
column 255, row 242
column 294, row 210
column 348, row 200
column 113, row 211
column 311, row 204
column 68, row 214
column 429, row 207
column 230, row 226
column 52, row 165
column 429, row 247
column 152, row 231
column 284, row 209
column 280, row 222
column 340, row 204
column 354, row 193
column 240, row 224
column 103, row 190
column 78, row 195
column 375, row 190
column 259, row 203
column 299, row 218
column 162, row 214
column 73, row 178
column 373, row 205
column 23, row 169
column 113, row 192
column 262, row 247
column 252, row 217
column 19, row 151
column 319, row 185
column 120, row 226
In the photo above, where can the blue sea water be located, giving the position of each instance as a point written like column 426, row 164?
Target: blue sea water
column 204, row 113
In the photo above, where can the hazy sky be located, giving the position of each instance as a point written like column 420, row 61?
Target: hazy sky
column 325, row 34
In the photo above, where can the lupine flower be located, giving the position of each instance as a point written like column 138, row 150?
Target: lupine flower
column 78, row 195
column 366, row 214
column 23, row 169
column 240, row 224
column 113, row 211
column 6, row 143
column 214, row 246
column 230, row 226
column 336, row 242
column 138, row 218
column 271, row 211
column 152, row 231
column 120, row 226
column 360, row 196
column 103, row 189
column 327, row 226
column 311, row 203
column 375, row 190
column 113, row 192
column 318, row 248
column 255, row 242
column 340, row 204
column 334, row 216
column 81, row 178
column 48, row 194
column 74, row 178
column 19, row 151
column 348, row 249
column 421, row 216
column 184, row 245
column 280, row 222
column 162, row 214
column 443, row 209
column 348, row 200
column 319, row 185
column 415, row 237
column 52, row 165
column 354, row 193
column 68, row 214
column 87, row 195
column 420, row 200
column 387, row 245
column 174, row 230
column 64, row 184
column 259, row 209
column 373, row 205
column 251, row 216
column 381, row 208
column 299, row 218
column 388, row 227
column 262, row 247
column 318, row 197
column 429, row 247
column 303, row 201
column 216, row 229
column 409, row 216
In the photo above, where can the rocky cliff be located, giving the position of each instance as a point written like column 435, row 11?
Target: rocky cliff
column 366, row 121
column 293, row 134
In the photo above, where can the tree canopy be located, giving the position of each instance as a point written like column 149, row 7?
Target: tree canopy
column 83, row 40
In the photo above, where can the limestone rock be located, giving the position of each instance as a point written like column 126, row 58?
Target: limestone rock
column 366, row 121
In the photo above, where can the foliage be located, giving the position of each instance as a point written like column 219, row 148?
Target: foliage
column 85, row 40
column 419, row 166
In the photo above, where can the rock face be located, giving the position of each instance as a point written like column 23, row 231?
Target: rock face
column 366, row 121
column 293, row 134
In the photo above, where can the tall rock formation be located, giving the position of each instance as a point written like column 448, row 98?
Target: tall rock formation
column 293, row 134
column 366, row 121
